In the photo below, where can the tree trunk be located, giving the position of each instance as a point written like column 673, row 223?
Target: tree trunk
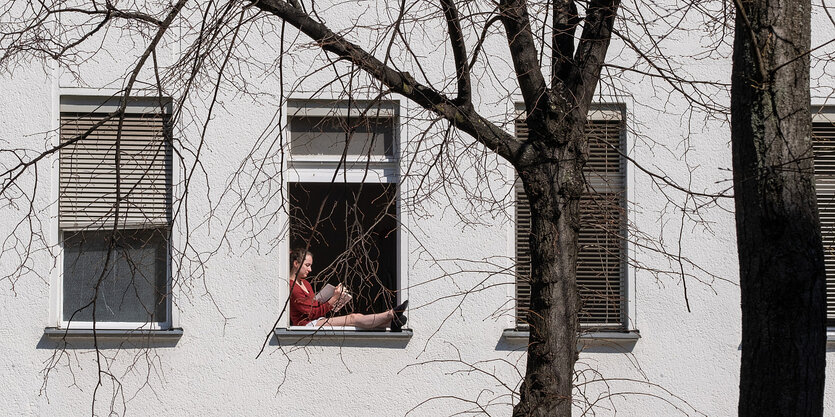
column 780, row 253
column 554, row 190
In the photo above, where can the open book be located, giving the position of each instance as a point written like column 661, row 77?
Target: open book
column 326, row 293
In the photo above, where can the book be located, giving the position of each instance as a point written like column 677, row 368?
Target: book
column 326, row 293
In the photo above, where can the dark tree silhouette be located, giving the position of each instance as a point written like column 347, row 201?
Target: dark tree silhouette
column 778, row 232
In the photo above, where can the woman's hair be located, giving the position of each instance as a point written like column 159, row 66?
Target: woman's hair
column 298, row 255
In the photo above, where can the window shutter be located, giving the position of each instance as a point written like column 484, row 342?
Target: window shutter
column 823, row 144
column 523, row 254
column 600, row 266
column 87, row 173
column 600, row 263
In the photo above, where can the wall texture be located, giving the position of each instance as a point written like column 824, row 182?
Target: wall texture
column 685, row 362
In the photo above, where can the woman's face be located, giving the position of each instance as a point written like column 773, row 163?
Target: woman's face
column 305, row 267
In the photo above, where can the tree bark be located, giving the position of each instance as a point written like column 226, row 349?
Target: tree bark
column 782, row 275
column 554, row 188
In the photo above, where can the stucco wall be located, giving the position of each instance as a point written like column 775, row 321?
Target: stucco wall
column 685, row 363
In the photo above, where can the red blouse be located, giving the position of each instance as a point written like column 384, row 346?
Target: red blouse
column 303, row 308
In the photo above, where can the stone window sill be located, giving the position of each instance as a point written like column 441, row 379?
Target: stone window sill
column 303, row 334
column 169, row 335
column 626, row 336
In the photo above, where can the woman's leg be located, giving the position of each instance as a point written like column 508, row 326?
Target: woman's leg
column 362, row 321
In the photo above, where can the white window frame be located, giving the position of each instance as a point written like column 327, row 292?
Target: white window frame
column 320, row 169
column 599, row 111
column 70, row 99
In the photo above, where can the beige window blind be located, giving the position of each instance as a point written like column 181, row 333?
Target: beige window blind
column 823, row 144
column 600, row 269
column 320, row 129
column 94, row 180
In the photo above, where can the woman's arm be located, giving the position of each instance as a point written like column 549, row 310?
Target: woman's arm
column 307, row 308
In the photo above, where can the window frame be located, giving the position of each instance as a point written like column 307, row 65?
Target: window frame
column 81, row 100
column 320, row 169
column 628, row 325
column 339, row 108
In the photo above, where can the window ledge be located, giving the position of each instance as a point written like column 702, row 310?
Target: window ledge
column 296, row 334
column 830, row 337
column 627, row 336
column 56, row 333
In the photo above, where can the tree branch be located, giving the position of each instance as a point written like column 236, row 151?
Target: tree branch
column 591, row 51
column 481, row 39
column 755, row 46
column 463, row 117
column 515, row 19
column 562, row 40
column 459, row 51
column 111, row 11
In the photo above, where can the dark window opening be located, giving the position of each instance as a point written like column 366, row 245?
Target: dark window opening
column 354, row 241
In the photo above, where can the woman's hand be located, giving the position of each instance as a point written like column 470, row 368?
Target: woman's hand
column 337, row 294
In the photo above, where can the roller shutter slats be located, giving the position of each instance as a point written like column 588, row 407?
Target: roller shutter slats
column 88, row 174
column 600, row 268
column 823, row 145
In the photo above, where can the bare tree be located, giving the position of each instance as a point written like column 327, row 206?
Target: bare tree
column 778, row 228
column 549, row 163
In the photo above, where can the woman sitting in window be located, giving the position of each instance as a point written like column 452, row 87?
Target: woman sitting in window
column 306, row 311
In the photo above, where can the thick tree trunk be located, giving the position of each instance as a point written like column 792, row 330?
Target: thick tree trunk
column 778, row 233
column 554, row 190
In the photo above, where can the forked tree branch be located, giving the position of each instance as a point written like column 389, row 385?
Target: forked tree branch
column 463, row 117
column 111, row 11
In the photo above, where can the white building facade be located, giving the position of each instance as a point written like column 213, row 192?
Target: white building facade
column 218, row 177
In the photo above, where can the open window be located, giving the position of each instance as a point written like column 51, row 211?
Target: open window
column 343, row 197
column 354, row 239
column 114, row 214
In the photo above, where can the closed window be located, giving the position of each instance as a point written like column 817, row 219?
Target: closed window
column 823, row 144
column 114, row 209
column 601, row 272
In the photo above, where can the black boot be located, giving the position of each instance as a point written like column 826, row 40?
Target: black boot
column 398, row 322
column 401, row 307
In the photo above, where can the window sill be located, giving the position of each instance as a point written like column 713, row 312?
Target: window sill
column 170, row 335
column 611, row 336
column 830, row 338
column 296, row 334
